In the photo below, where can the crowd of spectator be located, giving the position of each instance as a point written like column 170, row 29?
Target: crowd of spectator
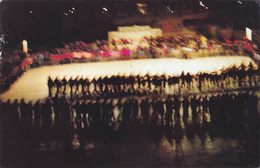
column 177, row 46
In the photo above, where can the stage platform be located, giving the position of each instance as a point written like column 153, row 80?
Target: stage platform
column 32, row 85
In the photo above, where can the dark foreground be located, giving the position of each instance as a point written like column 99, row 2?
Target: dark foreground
column 221, row 132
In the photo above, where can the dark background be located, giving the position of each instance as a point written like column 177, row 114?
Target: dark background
column 47, row 25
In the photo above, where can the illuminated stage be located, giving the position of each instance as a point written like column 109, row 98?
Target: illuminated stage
column 32, row 85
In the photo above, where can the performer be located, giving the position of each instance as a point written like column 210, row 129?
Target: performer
column 50, row 85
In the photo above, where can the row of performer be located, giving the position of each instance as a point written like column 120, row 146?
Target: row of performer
column 147, row 110
column 123, row 84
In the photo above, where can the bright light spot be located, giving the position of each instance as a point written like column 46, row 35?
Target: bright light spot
column 2, row 40
column 65, row 13
column 201, row 4
column 239, row 2
column 141, row 5
column 73, row 8
column 142, row 11
column 105, row 9
column 30, row 12
column 0, row 56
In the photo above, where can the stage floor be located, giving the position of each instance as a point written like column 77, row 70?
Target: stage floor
column 32, row 85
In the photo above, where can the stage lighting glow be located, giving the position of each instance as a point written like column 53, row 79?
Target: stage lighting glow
column 202, row 4
column 105, row 9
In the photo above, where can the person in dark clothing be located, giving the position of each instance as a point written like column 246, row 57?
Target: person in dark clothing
column 57, row 108
column 58, row 85
column 64, row 84
column 188, row 79
column 205, row 104
column 72, row 84
column 46, row 113
column 14, row 114
column 169, row 111
column 161, row 112
column 79, row 111
column 126, row 111
column 155, row 114
column 138, row 81
column 177, row 106
column 94, row 82
column 26, row 113
column 50, row 85
column 145, row 105
column 135, row 111
column 107, row 109
column 164, row 80
column 77, row 84
column 185, row 104
column 66, row 112
column 156, row 81
column 85, row 113
column 87, row 86
column 148, row 80
column 37, row 113
column 194, row 104
column 182, row 77
column 83, row 84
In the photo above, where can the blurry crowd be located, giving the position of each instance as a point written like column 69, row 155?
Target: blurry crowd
column 171, row 110
column 127, row 85
column 177, row 46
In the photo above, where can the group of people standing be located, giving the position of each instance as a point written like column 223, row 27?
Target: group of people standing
column 125, row 85
column 171, row 110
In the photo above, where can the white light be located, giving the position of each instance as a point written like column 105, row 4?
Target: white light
column 0, row 54
column 30, row 12
column 73, row 8
column 239, row 2
column 248, row 33
column 2, row 40
column 105, row 9
column 201, row 4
